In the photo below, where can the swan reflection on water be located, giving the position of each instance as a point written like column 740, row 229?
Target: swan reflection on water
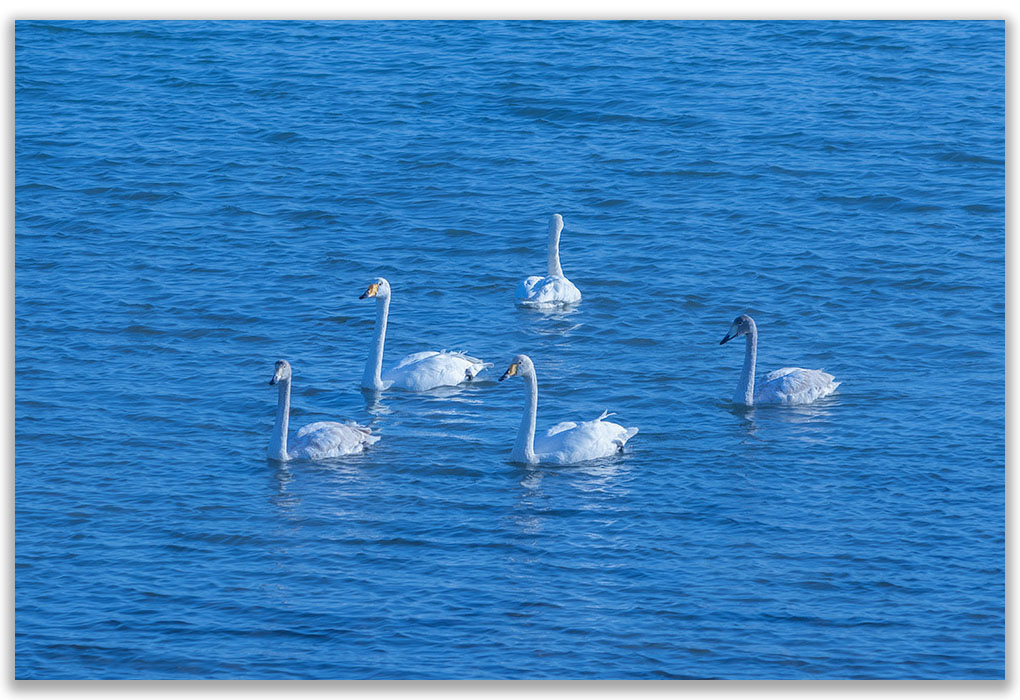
column 808, row 422
column 374, row 404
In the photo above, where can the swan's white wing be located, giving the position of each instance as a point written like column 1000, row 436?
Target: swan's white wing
column 413, row 358
column 523, row 291
column 325, row 439
column 560, row 427
column 474, row 364
column 794, row 385
column 547, row 291
column 569, row 443
column 426, row 370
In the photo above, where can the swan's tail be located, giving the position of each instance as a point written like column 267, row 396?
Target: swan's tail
column 476, row 364
column 464, row 356
column 627, row 435
column 366, row 433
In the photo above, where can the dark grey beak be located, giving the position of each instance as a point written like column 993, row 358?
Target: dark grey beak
column 364, row 296
column 727, row 339
column 273, row 380
column 505, row 375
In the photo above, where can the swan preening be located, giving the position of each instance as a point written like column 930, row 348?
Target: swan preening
column 554, row 289
column 420, row 371
column 789, row 385
column 564, row 443
column 320, row 440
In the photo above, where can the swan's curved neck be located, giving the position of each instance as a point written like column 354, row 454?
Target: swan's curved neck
column 278, row 442
column 745, row 389
column 554, row 249
column 524, row 448
column 372, row 379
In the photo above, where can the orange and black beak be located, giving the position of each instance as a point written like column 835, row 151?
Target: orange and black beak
column 511, row 371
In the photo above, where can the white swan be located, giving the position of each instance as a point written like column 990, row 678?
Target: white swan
column 554, row 289
column 789, row 385
column 320, row 440
column 564, row 443
column 420, row 371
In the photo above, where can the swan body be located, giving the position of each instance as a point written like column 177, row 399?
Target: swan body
column 793, row 385
column 554, row 289
column 419, row 371
column 426, row 370
column 567, row 442
column 786, row 386
column 319, row 440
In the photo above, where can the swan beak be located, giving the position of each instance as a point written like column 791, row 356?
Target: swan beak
column 273, row 380
column 371, row 291
column 511, row 371
column 732, row 333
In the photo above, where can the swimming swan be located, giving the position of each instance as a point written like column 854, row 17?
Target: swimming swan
column 789, row 385
column 554, row 290
column 320, row 440
column 564, row 443
column 420, row 371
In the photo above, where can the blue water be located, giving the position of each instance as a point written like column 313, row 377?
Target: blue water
column 195, row 200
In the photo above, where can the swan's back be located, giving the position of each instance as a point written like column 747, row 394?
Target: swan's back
column 569, row 442
column 794, row 385
column 325, row 439
column 546, row 291
column 523, row 291
column 426, row 370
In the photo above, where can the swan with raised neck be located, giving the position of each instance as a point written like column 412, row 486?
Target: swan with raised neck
column 418, row 371
column 744, row 325
column 524, row 445
column 372, row 378
column 789, row 385
column 564, row 443
column 278, row 439
column 319, row 440
column 554, row 289
column 553, row 251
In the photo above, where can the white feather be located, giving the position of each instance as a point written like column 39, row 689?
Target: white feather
column 793, row 385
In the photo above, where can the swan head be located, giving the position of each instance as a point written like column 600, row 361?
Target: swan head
column 380, row 288
column 742, row 325
column 555, row 223
column 520, row 365
column 282, row 372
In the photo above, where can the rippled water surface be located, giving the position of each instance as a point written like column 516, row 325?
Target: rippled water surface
column 197, row 200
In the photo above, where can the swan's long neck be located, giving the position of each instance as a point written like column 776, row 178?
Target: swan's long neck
column 524, row 448
column 745, row 389
column 372, row 378
column 554, row 249
column 278, row 442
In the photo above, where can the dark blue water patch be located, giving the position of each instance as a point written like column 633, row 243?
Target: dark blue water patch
column 195, row 200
